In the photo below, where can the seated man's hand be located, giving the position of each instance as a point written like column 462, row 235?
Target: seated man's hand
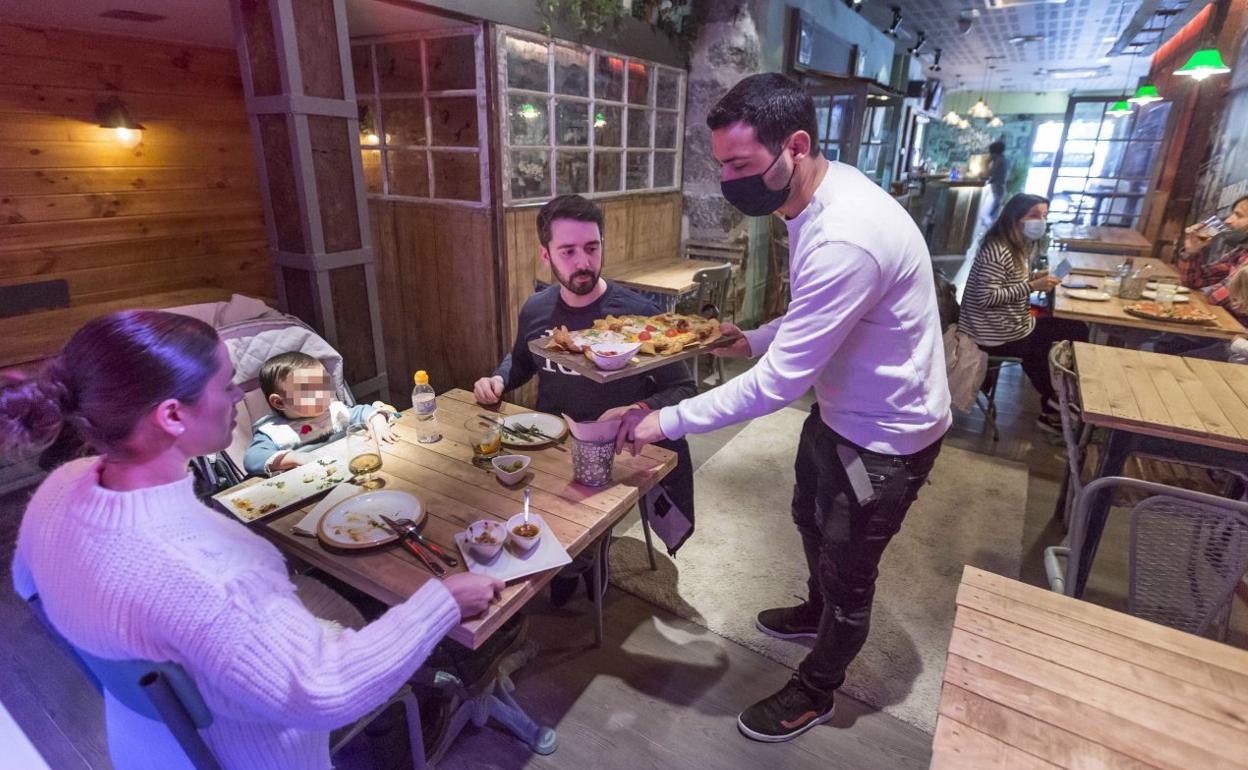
column 1192, row 240
column 638, row 428
column 488, row 390
column 617, row 411
column 740, row 348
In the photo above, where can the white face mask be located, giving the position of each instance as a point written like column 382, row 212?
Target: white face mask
column 1033, row 229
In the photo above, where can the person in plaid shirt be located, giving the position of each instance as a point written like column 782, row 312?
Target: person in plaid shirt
column 1214, row 277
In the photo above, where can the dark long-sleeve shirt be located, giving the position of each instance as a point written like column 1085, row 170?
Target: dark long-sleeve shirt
column 561, row 390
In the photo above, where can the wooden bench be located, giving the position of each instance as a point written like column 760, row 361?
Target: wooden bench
column 1039, row 680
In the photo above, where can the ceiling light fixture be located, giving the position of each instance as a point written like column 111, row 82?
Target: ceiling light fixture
column 1119, row 109
column 936, row 61
column 952, row 118
column 1145, row 94
column 996, row 122
column 1204, row 63
column 918, row 45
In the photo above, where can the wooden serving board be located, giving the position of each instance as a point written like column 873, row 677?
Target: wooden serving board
column 640, row 364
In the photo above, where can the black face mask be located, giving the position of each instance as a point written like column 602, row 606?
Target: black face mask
column 751, row 195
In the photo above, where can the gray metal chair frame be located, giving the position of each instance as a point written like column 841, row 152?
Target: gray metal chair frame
column 1187, row 552
column 711, row 300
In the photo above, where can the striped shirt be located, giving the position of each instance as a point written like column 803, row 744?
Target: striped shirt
column 995, row 307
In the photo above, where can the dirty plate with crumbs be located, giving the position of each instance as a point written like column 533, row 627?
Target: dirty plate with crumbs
column 277, row 493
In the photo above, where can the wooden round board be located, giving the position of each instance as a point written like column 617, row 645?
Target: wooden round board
column 1179, row 315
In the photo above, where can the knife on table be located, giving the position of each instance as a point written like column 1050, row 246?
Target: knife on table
column 409, row 529
column 430, row 564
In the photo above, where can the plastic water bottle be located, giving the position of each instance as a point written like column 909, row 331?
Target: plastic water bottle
column 425, row 404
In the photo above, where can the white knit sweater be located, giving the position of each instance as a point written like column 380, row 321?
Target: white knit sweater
column 154, row 574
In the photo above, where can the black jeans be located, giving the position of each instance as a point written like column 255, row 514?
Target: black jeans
column 844, row 540
column 1034, row 350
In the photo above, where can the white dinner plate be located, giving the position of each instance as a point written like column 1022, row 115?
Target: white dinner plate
column 1092, row 295
column 549, row 424
column 1181, row 289
column 1152, row 294
column 356, row 522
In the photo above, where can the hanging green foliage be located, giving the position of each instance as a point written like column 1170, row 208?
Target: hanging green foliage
column 591, row 16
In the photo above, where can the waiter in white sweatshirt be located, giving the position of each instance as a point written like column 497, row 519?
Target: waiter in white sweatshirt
column 862, row 328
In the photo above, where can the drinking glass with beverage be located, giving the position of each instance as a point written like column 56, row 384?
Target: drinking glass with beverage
column 365, row 456
column 486, row 438
column 1165, row 295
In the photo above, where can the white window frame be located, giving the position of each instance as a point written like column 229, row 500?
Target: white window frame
column 505, row 91
column 373, row 101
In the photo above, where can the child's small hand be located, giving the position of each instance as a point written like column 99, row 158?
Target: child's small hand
column 294, row 460
column 388, row 435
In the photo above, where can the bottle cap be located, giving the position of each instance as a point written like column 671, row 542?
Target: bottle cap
column 422, row 377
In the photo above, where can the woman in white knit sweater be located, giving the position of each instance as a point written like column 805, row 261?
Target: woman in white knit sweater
column 128, row 563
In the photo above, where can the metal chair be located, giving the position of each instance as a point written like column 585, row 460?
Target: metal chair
column 1075, row 434
column 711, row 300
column 164, row 692
column 989, row 390
column 1187, row 552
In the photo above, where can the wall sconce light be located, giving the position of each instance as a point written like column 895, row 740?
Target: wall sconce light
column 112, row 113
column 936, row 61
column 918, row 45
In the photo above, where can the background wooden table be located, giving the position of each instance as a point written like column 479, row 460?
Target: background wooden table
column 456, row 493
column 1092, row 263
column 672, row 277
column 1110, row 312
column 1184, row 399
column 1112, row 240
column 1035, row 679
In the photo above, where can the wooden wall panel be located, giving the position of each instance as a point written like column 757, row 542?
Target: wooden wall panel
column 437, row 281
column 353, row 319
column 180, row 210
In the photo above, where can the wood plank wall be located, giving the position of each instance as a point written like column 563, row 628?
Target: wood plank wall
column 437, row 281
column 180, row 210
column 638, row 227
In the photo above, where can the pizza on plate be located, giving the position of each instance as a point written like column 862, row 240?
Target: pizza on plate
column 664, row 334
column 1183, row 314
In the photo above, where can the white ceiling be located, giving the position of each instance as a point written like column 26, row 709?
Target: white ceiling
column 205, row 22
column 1076, row 34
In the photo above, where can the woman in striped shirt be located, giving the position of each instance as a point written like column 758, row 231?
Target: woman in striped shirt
column 996, row 310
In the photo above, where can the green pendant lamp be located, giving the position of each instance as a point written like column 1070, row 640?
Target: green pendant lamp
column 1119, row 108
column 1145, row 94
column 1204, row 63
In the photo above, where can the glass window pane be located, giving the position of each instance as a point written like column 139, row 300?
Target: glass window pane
column 372, row 170
column 571, row 71
column 823, row 109
column 572, row 172
column 638, row 83
column 530, row 123
column 637, row 171
column 665, row 129
column 665, row 169
column 403, row 121
column 667, row 92
column 638, row 128
column 368, row 124
column 606, row 171
column 607, row 122
column 398, row 67
column 454, row 121
column 457, row 176
column 831, row 151
column 1150, row 122
column 609, row 78
column 571, row 123
column 1117, row 127
column 452, row 63
column 362, row 68
column 1107, row 158
column 527, row 65
column 1137, row 162
column 530, row 174
column 407, row 172
column 1085, row 121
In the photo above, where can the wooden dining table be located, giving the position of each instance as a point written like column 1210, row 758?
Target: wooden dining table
column 455, row 493
column 1092, row 263
column 669, row 277
column 1174, row 406
column 1110, row 313
column 1109, row 240
column 1034, row 679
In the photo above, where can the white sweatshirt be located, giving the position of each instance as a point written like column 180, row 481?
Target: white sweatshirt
column 153, row 574
column 862, row 327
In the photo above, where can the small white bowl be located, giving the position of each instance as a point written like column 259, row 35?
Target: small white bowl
column 501, row 462
column 522, row 543
column 610, row 356
column 498, row 531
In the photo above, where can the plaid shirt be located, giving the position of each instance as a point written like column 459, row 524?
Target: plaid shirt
column 1211, row 277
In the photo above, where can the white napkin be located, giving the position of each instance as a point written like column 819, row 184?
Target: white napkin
column 598, row 430
column 308, row 524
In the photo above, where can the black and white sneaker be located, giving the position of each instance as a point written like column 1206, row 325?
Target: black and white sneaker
column 787, row 714
column 790, row 622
